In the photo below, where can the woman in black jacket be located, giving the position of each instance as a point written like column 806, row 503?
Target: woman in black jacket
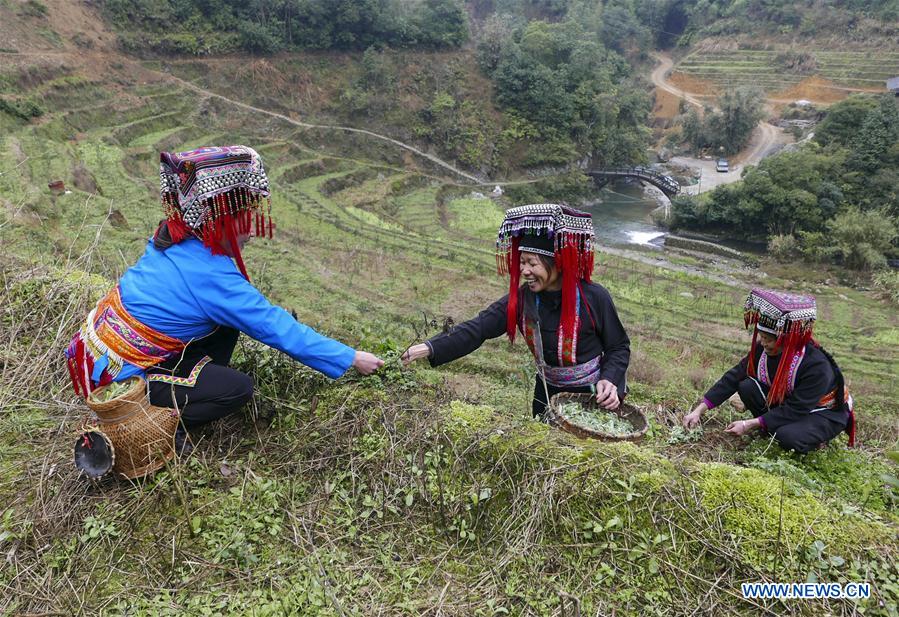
column 790, row 384
column 569, row 323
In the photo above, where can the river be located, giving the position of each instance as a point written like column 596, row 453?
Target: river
column 621, row 217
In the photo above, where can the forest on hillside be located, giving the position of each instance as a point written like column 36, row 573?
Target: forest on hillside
column 267, row 26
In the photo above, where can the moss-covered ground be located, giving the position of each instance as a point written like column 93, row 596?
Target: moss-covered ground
column 415, row 491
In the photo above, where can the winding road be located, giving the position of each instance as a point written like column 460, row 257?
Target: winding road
column 765, row 139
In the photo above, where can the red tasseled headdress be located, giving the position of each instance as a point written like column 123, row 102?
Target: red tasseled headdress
column 570, row 236
column 788, row 316
column 215, row 194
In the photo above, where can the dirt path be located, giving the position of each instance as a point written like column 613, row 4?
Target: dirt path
column 308, row 125
column 659, row 79
column 765, row 139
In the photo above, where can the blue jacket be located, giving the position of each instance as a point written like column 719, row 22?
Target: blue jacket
column 186, row 292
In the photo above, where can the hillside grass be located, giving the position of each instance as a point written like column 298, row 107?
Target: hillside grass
column 415, row 491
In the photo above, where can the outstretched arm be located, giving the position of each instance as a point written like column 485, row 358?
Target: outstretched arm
column 229, row 299
column 723, row 389
column 463, row 338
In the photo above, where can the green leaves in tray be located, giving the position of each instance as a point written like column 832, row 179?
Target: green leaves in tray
column 596, row 419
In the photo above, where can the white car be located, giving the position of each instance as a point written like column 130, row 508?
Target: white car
column 722, row 166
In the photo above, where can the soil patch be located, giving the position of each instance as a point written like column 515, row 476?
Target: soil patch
column 693, row 85
column 814, row 88
column 667, row 105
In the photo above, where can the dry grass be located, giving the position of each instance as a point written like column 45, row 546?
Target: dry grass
column 693, row 85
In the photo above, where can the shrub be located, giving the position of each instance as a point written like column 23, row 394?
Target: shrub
column 783, row 247
column 862, row 238
column 24, row 109
column 888, row 282
column 813, row 246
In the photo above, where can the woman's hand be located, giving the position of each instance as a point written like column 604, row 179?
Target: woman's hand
column 416, row 352
column 742, row 427
column 691, row 420
column 607, row 394
column 367, row 363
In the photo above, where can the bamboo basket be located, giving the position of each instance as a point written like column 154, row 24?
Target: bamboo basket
column 630, row 413
column 142, row 435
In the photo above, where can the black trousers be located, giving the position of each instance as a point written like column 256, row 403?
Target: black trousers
column 801, row 435
column 218, row 390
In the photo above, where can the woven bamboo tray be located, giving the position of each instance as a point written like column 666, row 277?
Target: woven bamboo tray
column 142, row 434
column 631, row 414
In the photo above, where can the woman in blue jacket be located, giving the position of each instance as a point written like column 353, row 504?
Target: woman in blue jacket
column 175, row 316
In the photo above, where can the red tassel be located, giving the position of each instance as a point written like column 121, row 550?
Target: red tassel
column 751, row 362
column 235, row 250
column 566, row 262
column 791, row 343
column 271, row 228
column 88, row 382
column 514, row 268
column 82, row 368
column 850, row 428
column 75, row 385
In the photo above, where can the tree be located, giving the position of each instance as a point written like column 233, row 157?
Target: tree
column 862, row 238
column 495, row 33
column 442, row 23
column 729, row 127
column 878, row 134
column 844, row 119
column 534, row 90
column 693, row 130
column 741, row 111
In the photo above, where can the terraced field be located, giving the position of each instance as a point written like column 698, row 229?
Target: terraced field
column 417, row 491
column 728, row 69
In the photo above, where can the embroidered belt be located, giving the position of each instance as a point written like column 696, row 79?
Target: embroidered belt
column 110, row 337
column 188, row 382
column 585, row 374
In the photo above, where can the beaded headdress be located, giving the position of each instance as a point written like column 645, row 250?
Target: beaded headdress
column 560, row 232
column 791, row 318
column 213, row 194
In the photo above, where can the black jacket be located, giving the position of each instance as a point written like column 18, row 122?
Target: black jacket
column 814, row 379
column 602, row 335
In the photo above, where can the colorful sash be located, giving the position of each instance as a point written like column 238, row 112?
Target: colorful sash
column 586, row 374
column 110, row 337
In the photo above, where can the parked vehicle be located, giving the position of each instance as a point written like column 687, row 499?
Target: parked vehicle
column 722, row 166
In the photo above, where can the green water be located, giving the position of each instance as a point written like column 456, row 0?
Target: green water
column 621, row 217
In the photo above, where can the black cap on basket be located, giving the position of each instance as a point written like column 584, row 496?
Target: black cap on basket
column 94, row 454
